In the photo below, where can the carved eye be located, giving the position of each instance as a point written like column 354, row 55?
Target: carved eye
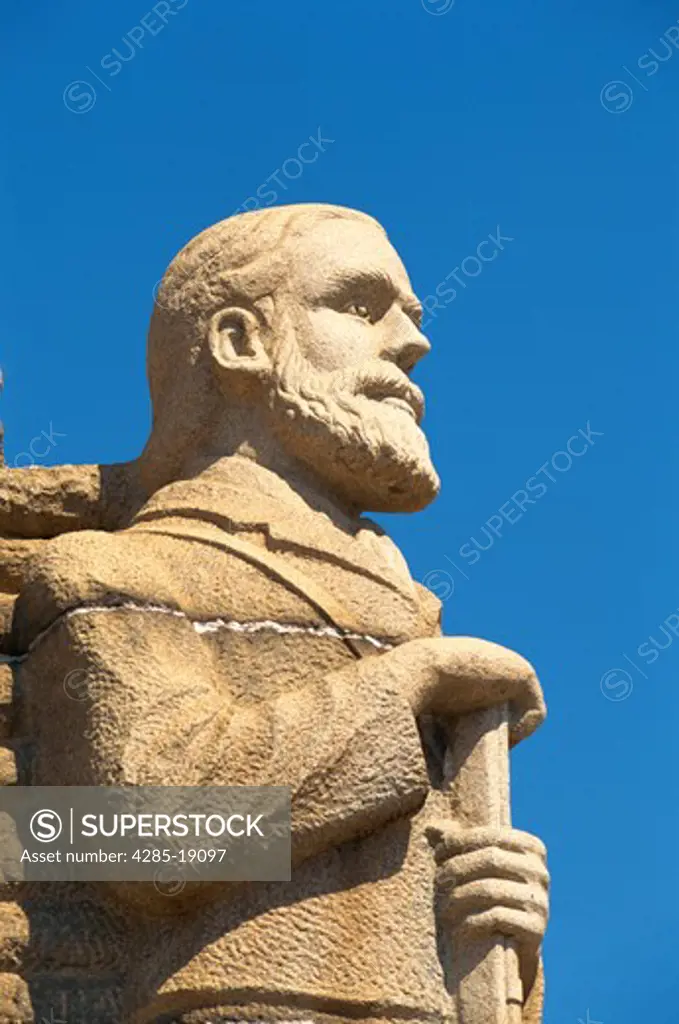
column 359, row 310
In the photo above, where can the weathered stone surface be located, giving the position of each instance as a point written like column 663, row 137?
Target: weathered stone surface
column 15, row 1000
column 6, row 696
column 8, row 767
column 14, row 934
column 233, row 618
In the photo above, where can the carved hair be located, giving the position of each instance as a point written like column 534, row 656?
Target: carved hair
column 237, row 262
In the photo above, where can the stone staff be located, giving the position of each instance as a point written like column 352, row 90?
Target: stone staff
column 484, row 973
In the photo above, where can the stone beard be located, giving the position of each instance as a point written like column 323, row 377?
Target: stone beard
column 375, row 452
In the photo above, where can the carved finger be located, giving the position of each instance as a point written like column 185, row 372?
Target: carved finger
column 493, row 862
column 449, row 840
column 476, row 898
column 528, row 929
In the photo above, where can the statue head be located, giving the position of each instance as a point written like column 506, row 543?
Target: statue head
column 291, row 333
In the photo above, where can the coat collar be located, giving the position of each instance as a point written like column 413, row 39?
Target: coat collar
column 241, row 496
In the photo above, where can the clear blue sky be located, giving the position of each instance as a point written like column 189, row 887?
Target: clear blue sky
column 445, row 126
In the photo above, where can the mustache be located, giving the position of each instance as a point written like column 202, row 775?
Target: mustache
column 377, row 379
column 380, row 380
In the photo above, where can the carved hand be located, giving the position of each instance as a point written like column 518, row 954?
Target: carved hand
column 493, row 882
column 450, row 676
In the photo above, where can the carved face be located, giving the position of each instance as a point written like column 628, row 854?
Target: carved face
column 347, row 338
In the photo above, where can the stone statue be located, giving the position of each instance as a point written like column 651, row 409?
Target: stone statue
column 232, row 618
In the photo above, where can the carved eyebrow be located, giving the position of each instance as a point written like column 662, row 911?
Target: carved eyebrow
column 373, row 278
column 348, row 280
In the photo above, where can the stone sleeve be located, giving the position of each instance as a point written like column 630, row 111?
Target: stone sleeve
column 141, row 698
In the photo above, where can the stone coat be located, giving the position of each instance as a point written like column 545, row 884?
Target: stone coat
column 177, row 694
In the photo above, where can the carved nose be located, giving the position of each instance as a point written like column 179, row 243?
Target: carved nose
column 408, row 347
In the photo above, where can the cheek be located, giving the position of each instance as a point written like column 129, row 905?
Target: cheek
column 337, row 341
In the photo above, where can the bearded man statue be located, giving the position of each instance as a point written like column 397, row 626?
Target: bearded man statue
column 234, row 619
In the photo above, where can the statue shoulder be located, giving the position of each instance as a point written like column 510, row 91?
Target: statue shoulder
column 84, row 568
column 93, row 568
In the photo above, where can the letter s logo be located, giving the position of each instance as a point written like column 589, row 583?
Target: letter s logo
column 45, row 826
column 616, row 102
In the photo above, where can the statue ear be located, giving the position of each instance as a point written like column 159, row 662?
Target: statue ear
column 235, row 342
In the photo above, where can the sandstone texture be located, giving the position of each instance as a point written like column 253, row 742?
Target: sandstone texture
column 232, row 617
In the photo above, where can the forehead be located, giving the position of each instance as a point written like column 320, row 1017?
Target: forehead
column 335, row 249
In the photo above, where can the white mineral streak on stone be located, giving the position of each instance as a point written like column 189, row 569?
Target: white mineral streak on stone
column 209, row 626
